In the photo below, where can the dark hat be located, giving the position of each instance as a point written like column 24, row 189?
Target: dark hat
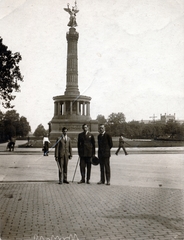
column 95, row 161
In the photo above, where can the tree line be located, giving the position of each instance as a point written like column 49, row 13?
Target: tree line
column 116, row 124
column 12, row 124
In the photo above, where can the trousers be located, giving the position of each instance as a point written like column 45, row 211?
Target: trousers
column 105, row 169
column 63, row 162
column 85, row 162
column 122, row 146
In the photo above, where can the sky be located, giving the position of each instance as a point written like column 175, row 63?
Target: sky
column 130, row 56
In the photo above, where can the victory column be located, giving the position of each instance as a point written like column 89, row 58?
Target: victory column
column 72, row 109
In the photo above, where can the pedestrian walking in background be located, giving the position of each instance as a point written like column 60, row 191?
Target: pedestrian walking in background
column 63, row 152
column 121, row 145
column 104, row 152
column 86, row 150
column 45, row 145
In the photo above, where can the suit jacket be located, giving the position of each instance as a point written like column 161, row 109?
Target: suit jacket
column 86, row 144
column 63, row 148
column 121, row 142
column 104, row 145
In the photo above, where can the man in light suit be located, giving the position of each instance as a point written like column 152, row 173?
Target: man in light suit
column 63, row 152
column 86, row 150
column 104, row 153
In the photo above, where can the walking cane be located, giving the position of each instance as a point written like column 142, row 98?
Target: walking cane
column 127, row 144
column 58, row 165
column 54, row 145
column 75, row 169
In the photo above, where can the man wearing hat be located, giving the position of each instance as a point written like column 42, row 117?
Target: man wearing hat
column 86, row 150
column 63, row 152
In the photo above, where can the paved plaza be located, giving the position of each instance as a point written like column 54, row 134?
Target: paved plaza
column 144, row 201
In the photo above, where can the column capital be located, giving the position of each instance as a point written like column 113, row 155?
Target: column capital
column 72, row 34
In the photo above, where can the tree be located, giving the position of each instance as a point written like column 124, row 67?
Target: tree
column 158, row 129
column 115, row 123
column 116, row 118
column 40, row 131
column 11, row 125
column 101, row 119
column 1, row 125
column 23, row 127
column 173, row 129
column 147, row 131
column 9, row 75
column 11, row 118
column 134, row 129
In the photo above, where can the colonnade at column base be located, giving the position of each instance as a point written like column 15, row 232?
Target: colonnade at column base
column 71, row 112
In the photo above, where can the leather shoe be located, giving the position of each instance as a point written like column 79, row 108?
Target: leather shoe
column 65, row 181
column 100, row 182
column 88, row 182
column 108, row 183
column 81, row 181
column 59, row 182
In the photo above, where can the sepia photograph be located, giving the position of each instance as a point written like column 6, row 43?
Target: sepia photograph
column 91, row 119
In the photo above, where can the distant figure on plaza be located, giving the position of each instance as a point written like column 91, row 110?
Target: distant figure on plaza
column 63, row 152
column 28, row 142
column 8, row 145
column 86, row 150
column 72, row 12
column 46, row 143
column 104, row 152
column 121, row 145
column 11, row 144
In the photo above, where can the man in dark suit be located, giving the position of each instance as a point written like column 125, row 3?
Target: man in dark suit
column 121, row 145
column 63, row 152
column 86, row 150
column 104, row 153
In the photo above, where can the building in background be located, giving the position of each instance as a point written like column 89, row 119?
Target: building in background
column 166, row 118
column 163, row 119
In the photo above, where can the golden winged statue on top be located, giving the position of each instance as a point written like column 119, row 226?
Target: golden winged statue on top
column 72, row 12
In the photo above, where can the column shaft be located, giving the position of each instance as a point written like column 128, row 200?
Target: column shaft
column 55, row 108
column 77, row 108
column 58, row 109
column 64, row 108
column 88, row 109
column 71, row 108
column 83, row 108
